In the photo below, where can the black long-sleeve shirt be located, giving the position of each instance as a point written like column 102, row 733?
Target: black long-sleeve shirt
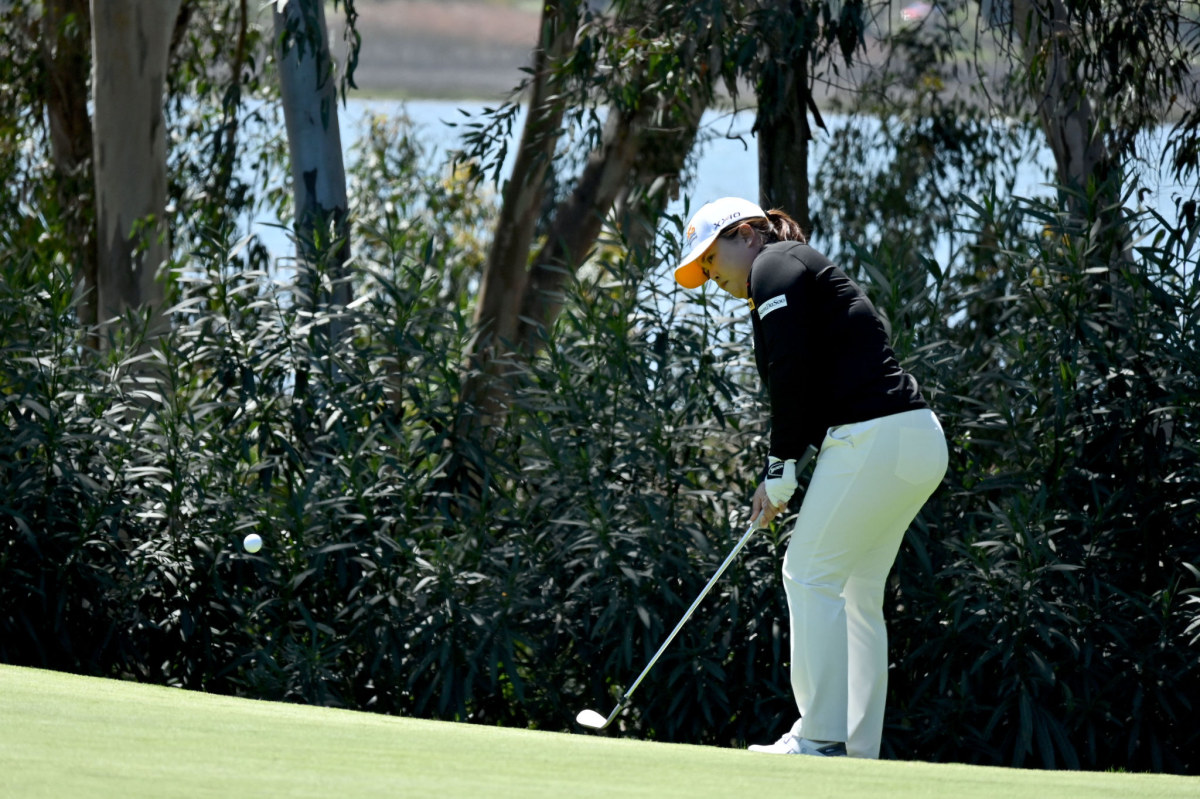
column 820, row 348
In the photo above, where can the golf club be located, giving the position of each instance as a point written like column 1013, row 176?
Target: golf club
column 592, row 719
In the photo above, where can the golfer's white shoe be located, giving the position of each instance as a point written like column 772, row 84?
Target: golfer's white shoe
column 791, row 744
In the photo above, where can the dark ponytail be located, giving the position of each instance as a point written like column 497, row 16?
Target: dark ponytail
column 784, row 228
column 776, row 226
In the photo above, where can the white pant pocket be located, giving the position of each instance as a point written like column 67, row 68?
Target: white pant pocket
column 922, row 458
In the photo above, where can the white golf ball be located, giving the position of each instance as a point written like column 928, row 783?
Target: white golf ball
column 253, row 543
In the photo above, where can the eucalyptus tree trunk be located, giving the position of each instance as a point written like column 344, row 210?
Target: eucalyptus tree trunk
column 1064, row 108
column 506, row 273
column 577, row 222
column 130, row 44
column 781, row 126
column 655, row 178
column 309, row 94
column 182, row 19
column 1072, row 127
column 233, row 104
column 66, row 41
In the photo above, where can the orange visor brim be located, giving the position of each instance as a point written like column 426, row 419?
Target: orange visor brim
column 689, row 275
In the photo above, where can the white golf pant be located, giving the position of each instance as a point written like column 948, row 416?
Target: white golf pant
column 870, row 481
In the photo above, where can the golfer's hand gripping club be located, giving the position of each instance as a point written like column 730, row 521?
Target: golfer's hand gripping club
column 592, row 719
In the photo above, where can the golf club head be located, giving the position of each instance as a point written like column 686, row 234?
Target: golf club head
column 592, row 720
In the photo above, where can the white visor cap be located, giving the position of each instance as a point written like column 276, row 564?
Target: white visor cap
column 703, row 229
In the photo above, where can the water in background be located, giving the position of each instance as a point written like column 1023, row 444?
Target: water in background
column 727, row 163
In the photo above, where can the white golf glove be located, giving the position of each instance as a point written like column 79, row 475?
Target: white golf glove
column 781, row 480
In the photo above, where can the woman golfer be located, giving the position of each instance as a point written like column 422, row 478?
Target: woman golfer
column 834, row 383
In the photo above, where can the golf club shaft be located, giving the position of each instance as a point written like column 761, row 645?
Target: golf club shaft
column 692, row 609
column 809, row 454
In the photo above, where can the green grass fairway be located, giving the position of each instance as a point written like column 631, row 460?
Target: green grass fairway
column 68, row 736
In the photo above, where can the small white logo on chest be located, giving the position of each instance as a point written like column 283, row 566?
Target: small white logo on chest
column 772, row 304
